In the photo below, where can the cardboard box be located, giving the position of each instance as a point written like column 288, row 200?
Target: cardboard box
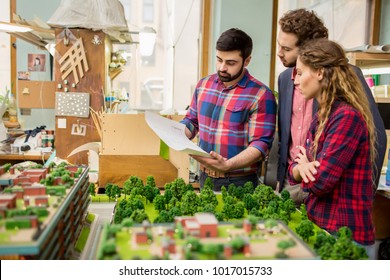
column 131, row 148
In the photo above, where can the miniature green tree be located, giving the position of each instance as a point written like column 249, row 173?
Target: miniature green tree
column 253, row 220
column 109, row 248
column 209, row 183
column 91, row 188
column 285, row 195
column 223, row 192
column 305, row 229
column 139, row 215
column 239, row 192
column 178, row 187
column 179, row 230
column 150, row 181
column 289, row 206
column 127, row 212
column 284, row 245
column 131, row 183
column 188, row 187
column 193, row 243
column 119, row 215
column 135, row 202
column 228, row 207
column 250, row 202
column 264, row 194
column 232, row 190
column 52, row 165
column 116, row 191
column 249, row 188
column 237, row 243
column 207, row 196
column 211, row 250
column 173, row 203
column 149, row 193
column 127, row 222
column 302, row 208
column 168, row 195
column 65, row 178
column 208, row 208
column 345, row 248
column 159, row 203
column 322, row 238
column 190, row 203
column 175, row 211
column 238, row 210
column 6, row 167
column 163, row 217
column 108, row 190
column 219, row 216
column 49, row 181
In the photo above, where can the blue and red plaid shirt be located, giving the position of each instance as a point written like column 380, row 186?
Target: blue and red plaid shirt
column 231, row 119
column 342, row 193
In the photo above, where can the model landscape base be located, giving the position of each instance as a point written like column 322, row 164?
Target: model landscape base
column 202, row 237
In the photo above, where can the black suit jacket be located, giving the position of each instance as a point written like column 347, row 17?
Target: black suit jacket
column 285, row 96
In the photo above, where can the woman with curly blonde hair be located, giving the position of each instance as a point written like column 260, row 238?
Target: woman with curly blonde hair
column 335, row 167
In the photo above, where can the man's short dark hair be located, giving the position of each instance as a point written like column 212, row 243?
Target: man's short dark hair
column 235, row 39
column 303, row 23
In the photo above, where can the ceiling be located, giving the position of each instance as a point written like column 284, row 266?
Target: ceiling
column 41, row 34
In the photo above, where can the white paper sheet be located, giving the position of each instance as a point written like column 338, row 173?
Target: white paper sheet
column 173, row 134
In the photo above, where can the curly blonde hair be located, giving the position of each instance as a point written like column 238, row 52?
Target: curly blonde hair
column 339, row 83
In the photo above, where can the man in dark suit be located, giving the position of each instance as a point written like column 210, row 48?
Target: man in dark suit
column 294, row 112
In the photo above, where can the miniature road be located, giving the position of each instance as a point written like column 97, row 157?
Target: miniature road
column 103, row 213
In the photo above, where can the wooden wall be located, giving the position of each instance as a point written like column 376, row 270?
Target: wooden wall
column 93, row 82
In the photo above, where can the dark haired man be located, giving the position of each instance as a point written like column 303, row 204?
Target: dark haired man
column 295, row 112
column 234, row 114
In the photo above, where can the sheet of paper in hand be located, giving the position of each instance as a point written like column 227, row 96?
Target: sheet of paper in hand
column 173, row 134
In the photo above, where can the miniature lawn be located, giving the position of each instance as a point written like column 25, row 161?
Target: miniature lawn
column 127, row 249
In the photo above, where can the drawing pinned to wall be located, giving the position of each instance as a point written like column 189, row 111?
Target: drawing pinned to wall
column 23, row 75
column 37, row 62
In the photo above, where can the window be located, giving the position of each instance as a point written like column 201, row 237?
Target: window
column 164, row 79
column 148, row 11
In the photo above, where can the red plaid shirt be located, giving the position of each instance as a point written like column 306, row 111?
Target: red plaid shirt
column 229, row 120
column 342, row 193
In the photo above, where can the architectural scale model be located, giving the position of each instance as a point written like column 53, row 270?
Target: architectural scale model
column 202, row 237
column 41, row 210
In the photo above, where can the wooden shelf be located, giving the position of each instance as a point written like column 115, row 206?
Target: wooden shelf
column 114, row 73
column 369, row 60
column 382, row 99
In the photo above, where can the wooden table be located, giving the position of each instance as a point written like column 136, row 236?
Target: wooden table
column 16, row 158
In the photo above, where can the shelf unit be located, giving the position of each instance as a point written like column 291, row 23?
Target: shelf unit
column 381, row 209
column 369, row 60
column 366, row 60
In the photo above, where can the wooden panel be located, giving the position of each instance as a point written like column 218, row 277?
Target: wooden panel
column 128, row 134
column 182, row 162
column 41, row 94
column 117, row 169
column 93, row 82
column 381, row 215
